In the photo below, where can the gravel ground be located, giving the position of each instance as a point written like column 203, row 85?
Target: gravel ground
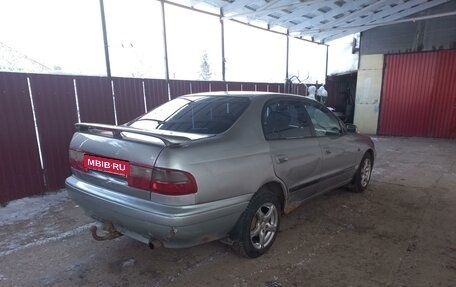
column 400, row 232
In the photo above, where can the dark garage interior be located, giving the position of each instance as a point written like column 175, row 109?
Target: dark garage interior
column 401, row 92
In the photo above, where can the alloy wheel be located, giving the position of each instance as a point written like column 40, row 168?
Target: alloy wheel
column 264, row 226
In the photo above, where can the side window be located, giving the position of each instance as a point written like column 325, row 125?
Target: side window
column 324, row 122
column 285, row 119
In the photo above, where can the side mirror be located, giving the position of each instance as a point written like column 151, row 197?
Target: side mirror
column 351, row 128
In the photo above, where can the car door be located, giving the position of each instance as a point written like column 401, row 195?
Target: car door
column 294, row 149
column 338, row 150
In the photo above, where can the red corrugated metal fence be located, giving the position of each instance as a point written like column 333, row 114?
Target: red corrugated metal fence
column 56, row 100
column 419, row 95
column 129, row 97
column 95, row 99
column 156, row 92
column 55, row 108
column 20, row 169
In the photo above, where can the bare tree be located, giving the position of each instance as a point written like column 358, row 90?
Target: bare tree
column 205, row 71
column 14, row 61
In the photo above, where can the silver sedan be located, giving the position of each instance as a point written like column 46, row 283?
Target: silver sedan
column 214, row 166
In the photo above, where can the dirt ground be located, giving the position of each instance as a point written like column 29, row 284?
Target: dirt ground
column 400, row 232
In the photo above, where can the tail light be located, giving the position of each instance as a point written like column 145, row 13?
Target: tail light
column 158, row 180
column 161, row 180
column 140, row 177
column 173, row 182
column 77, row 159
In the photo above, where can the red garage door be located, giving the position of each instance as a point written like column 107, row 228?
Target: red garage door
column 419, row 95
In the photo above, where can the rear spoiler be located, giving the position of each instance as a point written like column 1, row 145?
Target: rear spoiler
column 117, row 130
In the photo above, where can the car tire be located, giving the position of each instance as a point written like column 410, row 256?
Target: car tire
column 258, row 225
column 363, row 174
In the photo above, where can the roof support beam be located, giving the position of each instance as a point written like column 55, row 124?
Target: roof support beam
column 222, row 30
column 330, row 18
column 165, row 43
column 265, row 11
column 236, row 5
column 298, row 14
column 105, row 39
column 323, row 16
column 360, row 12
column 378, row 20
column 387, row 11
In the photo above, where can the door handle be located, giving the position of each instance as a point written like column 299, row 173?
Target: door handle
column 327, row 151
column 281, row 158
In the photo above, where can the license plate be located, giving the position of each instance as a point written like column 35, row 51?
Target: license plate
column 108, row 165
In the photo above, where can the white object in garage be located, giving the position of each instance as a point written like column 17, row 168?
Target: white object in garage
column 323, row 94
column 311, row 90
column 368, row 91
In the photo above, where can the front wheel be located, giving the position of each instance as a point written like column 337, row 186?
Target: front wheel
column 258, row 226
column 363, row 174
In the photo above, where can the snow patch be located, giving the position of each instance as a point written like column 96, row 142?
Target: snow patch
column 58, row 237
column 378, row 171
column 128, row 263
column 30, row 207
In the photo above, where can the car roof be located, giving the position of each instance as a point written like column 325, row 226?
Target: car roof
column 248, row 94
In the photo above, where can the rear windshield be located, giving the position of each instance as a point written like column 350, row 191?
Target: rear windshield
column 199, row 115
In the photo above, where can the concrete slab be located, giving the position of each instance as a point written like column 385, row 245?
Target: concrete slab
column 400, row 232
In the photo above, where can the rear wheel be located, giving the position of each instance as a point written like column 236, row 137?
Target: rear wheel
column 258, row 226
column 363, row 174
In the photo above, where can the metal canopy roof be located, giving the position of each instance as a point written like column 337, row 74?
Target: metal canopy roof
column 321, row 20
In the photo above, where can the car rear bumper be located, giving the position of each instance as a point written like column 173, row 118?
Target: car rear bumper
column 144, row 220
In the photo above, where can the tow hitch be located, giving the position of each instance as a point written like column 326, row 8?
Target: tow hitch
column 111, row 232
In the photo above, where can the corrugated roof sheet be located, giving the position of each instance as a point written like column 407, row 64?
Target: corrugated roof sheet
column 321, row 20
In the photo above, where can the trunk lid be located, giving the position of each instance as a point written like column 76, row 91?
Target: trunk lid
column 104, row 147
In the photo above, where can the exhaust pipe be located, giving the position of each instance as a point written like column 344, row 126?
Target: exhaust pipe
column 154, row 244
column 112, row 233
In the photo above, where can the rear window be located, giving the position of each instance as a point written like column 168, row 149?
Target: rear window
column 199, row 115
